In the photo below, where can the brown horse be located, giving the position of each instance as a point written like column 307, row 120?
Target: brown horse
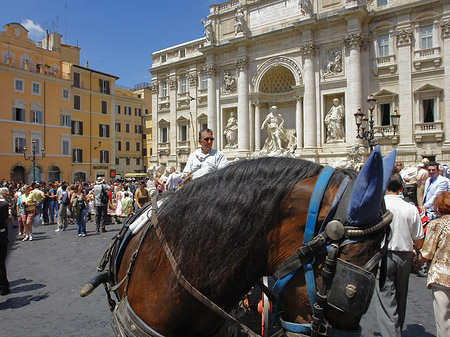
column 228, row 229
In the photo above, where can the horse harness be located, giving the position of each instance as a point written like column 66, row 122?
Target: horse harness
column 345, row 286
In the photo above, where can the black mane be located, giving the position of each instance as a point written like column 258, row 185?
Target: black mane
column 215, row 221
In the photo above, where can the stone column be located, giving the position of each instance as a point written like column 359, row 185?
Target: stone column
column 155, row 97
column 210, row 70
column 310, row 127
column 445, row 114
column 406, row 106
column 243, row 106
column 299, row 121
column 257, row 125
column 173, row 127
column 354, row 94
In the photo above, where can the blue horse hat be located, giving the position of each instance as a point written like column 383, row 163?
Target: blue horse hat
column 365, row 203
column 388, row 168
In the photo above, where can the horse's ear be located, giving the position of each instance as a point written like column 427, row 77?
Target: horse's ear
column 388, row 168
column 365, row 204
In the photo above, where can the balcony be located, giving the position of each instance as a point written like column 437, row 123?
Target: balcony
column 429, row 132
column 164, row 148
column 388, row 131
column 431, row 55
column 183, row 147
column 385, row 63
column 43, row 69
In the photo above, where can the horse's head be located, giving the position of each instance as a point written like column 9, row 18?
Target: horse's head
column 330, row 279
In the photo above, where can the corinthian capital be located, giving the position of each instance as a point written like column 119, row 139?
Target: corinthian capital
column 172, row 83
column 241, row 63
column 403, row 37
column 308, row 49
column 353, row 40
column 154, row 88
column 193, row 79
column 210, row 69
column 445, row 28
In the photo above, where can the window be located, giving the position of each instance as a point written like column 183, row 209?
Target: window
column 428, row 110
column 19, row 85
column 19, row 143
column 385, row 114
column 138, row 161
column 183, row 133
column 127, row 161
column 127, row 110
column 119, row 145
column 104, row 156
column 65, row 120
column 164, row 135
column 37, row 142
column 183, row 84
column 426, row 37
column 19, row 114
column 66, row 94
column 36, row 88
column 137, row 128
column 103, row 130
column 104, row 107
column 118, row 127
column 138, row 146
column 163, row 58
column 383, row 45
column 36, row 116
column 204, row 81
column 65, row 146
column 104, row 86
column 146, row 111
column 127, row 146
column 76, row 102
column 77, row 155
column 381, row 3
column 117, row 109
column 77, row 128
column 117, row 161
column 183, row 53
column 76, row 80
column 163, row 88
column 127, row 128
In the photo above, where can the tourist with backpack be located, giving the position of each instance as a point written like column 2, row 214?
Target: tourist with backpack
column 101, row 201
column 78, row 204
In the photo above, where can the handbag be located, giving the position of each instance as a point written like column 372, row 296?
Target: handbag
column 37, row 221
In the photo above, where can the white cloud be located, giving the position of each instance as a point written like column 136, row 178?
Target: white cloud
column 36, row 32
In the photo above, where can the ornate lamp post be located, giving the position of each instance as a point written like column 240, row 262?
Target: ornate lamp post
column 33, row 156
column 365, row 124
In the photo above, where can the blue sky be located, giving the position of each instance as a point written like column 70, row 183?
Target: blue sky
column 115, row 36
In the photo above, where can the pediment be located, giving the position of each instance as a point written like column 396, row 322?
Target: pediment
column 384, row 93
column 428, row 88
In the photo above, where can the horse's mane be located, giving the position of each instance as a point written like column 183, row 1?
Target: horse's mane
column 216, row 221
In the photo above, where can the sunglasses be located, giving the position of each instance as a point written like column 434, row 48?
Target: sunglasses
column 207, row 139
column 432, row 170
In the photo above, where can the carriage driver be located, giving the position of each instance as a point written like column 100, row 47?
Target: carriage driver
column 204, row 159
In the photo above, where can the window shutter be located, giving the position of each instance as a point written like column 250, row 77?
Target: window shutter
column 107, row 87
column 81, row 127
column 100, row 84
column 22, row 115
column 100, row 130
column 62, row 120
column 73, row 155
column 107, row 131
column 40, row 117
column 72, row 123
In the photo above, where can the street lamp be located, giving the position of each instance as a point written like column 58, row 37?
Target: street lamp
column 365, row 124
column 33, row 156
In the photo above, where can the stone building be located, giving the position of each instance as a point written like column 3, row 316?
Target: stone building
column 317, row 61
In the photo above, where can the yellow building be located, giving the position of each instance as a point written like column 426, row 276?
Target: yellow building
column 35, row 107
column 74, row 113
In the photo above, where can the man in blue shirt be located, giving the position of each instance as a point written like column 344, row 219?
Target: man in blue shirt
column 434, row 185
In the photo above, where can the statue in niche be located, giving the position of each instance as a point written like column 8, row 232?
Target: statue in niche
column 208, row 29
column 229, row 81
column 240, row 20
column 278, row 139
column 334, row 65
column 230, row 132
column 306, row 7
column 334, row 122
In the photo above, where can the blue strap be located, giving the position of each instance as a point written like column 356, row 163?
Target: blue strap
column 311, row 220
column 304, row 328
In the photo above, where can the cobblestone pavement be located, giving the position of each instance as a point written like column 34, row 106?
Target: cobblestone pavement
column 47, row 274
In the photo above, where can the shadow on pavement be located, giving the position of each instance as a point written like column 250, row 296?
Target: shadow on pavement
column 28, row 287
column 416, row 330
column 19, row 281
column 19, row 302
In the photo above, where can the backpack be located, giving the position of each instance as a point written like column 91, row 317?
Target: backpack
column 66, row 200
column 104, row 197
column 76, row 206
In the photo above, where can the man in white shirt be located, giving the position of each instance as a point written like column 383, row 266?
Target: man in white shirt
column 173, row 180
column 205, row 159
column 434, row 185
column 406, row 227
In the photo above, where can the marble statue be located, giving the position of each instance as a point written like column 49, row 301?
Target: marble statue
column 208, row 30
column 229, row 81
column 334, row 122
column 306, row 7
column 230, row 132
column 240, row 18
column 278, row 138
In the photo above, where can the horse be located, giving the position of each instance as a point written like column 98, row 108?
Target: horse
column 207, row 244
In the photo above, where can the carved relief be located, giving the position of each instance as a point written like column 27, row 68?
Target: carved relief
column 333, row 66
column 353, row 41
column 229, row 82
column 230, row 132
column 334, row 122
column 306, row 7
column 193, row 79
column 241, row 63
column 172, row 83
column 208, row 29
column 210, row 69
column 403, row 37
column 445, row 28
column 240, row 25
column 154, row 88
column 308, row 49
